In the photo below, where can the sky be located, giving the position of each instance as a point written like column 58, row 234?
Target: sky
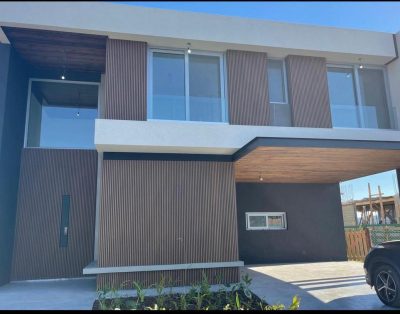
column 375, row 16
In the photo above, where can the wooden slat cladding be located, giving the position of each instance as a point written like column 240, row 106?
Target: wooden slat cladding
column 313, row 164
column 172, row 277
column 53, row 49
column 125, row 84
column 308, row 91
column 247, row 87
column 167, row 212
column 46, row 175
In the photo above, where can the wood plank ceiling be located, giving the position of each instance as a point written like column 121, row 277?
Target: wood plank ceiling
column 313, row 165
column 53, row 49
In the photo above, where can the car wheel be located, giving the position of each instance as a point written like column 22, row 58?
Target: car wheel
column 387, row 285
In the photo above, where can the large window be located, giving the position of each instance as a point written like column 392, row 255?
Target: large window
column 358, row 98
column 280, row 114
column 61, row 114
column 266, row 221
column 185, row 86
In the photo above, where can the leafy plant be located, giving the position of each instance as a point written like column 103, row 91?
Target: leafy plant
column 199, row 297
column 140, row 292
column 182, row 302
column 237, row 301
column 160, row 298
column 295, row 303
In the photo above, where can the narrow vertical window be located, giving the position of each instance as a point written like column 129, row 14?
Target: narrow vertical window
column 169, row 86
column 342, row 95
column 373, row 98
column 64, row 225
column 205, row 88
column 280, row 114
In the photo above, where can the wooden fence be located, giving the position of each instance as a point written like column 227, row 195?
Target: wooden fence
column 358, row 244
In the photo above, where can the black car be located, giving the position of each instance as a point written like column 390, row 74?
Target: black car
column 382, row 271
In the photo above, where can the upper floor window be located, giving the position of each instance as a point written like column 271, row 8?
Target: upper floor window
column 185, row 86
column 280, row 114
column 358, row 97
column 61, row 114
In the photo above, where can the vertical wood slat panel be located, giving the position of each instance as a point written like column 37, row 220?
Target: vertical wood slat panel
column 308, row 91
column 247, row 87
column 46, row 175
column 125, row 83
column 167, row 212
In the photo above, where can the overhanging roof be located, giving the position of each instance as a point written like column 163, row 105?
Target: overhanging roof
column 59, row 50
column 169, row 28
column 288, row 160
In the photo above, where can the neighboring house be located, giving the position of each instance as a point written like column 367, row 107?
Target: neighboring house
column 349, row 214
column 357, row 211
column 179, row 143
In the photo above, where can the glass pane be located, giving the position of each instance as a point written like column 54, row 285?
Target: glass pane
column 342, row 98
column 373, row 99
column 205, row 88
column 257, row 221
column 61, row 127
column 62, row 115
column 280, row 114
column 276, row 222
column 276, row 83
column 169, row 86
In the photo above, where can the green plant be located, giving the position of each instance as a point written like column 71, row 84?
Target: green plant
column 274, row 307
column 295, row 303
column 140, row 292
column 160, row 298
column 237, row 301
column 199, row 297
column 101, row 297
column 182, row 302
column 293, row 306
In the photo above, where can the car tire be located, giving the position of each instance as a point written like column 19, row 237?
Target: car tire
column 387, row 285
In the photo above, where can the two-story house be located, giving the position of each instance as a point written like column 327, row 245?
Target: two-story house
column 139, row 142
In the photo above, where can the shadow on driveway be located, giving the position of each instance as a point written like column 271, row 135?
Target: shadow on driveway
column 316, row 285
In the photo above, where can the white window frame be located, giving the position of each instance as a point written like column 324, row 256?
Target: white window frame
column 284, row 82
column 222, row 69
column 265, row 214
column 357, row 92
column 28, row 108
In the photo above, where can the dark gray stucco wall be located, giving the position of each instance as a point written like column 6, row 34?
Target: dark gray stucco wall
column 314, row 223
column 13, row 95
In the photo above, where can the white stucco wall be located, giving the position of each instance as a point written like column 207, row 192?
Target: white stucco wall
column 209, row 138
column 205, row 31
column 393, row 71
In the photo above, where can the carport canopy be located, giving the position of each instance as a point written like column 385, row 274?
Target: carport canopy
column 289, row 160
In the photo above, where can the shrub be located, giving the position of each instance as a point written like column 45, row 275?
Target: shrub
column 199, row 297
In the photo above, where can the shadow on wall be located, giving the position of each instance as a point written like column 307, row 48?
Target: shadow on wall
column 276, row 291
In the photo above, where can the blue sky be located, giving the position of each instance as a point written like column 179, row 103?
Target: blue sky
column 375, row 16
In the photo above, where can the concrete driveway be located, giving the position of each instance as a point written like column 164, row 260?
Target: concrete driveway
column 321, row 286
column 71, row 294
column 330, row 285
